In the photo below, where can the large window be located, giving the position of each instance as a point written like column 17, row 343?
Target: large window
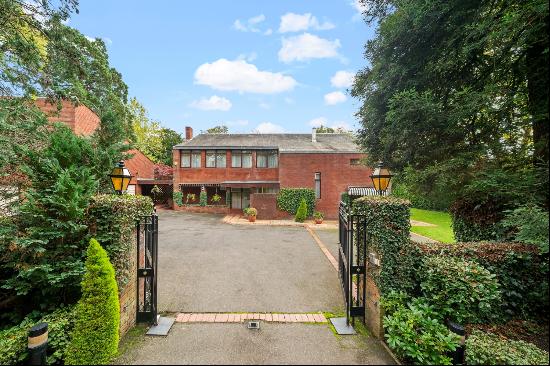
column 215, row 159
column 267, row 159
column 317, row 185
column 185, row 159
column 241, row 159
column 196, row 159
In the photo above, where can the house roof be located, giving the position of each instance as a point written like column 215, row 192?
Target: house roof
column 284, row 142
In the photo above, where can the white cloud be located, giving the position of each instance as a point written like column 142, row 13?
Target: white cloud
column 268, row 127
column 214, row 103
column 322, row 121
column 342, row 79
column 291, row 22
column 251, row 25
column 335, row 98
column 243, row 77
column 307, row 46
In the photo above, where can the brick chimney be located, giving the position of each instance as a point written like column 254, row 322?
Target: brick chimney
column 314, row 134
column 188, row 133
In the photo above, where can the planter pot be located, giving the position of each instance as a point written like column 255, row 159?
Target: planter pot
column 252, row 218
column 318, row 221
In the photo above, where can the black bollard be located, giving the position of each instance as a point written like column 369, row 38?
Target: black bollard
column 38, row 344
column 458, row 354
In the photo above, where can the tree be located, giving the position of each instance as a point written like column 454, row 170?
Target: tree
column 169, row 139
column 301, row 214
column 217, row 129
column 323, row 129
column 456, row 84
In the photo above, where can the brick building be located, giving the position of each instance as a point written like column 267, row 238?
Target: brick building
column 249, row 169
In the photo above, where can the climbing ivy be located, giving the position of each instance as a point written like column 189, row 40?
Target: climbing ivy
column 289, row 200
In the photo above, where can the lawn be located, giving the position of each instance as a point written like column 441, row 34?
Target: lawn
column 442, row 232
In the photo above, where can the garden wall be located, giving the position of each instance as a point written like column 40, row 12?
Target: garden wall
column 266, row 204
column 203, row 209
column 112, row 221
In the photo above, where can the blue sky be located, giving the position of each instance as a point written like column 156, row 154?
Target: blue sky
column 267, row 66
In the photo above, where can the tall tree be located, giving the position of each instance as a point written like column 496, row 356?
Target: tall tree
column 456, row 84
column 218, row 129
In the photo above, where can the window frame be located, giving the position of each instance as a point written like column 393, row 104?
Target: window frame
column 182, row 154
column 234, row 154
column 267, row 154
column 216, row 153
column 195, row 153
column 317, row 180
column 354, row 162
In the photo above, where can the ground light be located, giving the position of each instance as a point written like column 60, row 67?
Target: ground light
column 120, row 177
column 381, row 178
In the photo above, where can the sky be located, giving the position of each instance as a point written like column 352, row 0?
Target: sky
column 254, row 66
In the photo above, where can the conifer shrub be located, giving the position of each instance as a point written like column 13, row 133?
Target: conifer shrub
column 203, row 199
column 94, row 340
column 301, row 214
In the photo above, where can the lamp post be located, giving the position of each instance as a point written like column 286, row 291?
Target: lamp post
column 120, row 177
column 381, row 178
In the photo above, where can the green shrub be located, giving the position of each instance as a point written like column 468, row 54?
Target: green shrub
column 289, row 200
column 13, row 341
column 460, row 290
column 301, row 214
column 177, row 196
column 318, row 215
column 251, row 211
column 191, row 197
column 473, row 221
column 203, row 199
column 417, row 335
column 529, row 224
column 489, row 349
column 216, row 198
column 94, row 339
column 519, row 268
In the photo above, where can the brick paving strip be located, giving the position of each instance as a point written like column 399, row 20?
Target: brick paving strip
column 241, row 317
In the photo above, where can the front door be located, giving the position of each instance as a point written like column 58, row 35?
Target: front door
column 240, row 198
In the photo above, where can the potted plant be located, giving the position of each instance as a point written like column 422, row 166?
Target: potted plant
column 318, row 217
column 216, row 198
column 190, row 198
column 245, row 212
column 251, row 212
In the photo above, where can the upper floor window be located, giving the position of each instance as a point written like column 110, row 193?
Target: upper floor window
column 190, row 159
column 355, row 162
column 215, row 159
column 241, row 159
column 267, row 159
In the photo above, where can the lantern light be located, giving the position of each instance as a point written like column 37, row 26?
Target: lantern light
column 120, row 177
column 381, row 178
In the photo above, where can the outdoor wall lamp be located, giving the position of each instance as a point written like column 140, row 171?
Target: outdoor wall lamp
column 120, row 177
column 381, row 178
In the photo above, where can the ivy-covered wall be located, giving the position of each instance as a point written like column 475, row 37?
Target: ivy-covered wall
column 289, row 200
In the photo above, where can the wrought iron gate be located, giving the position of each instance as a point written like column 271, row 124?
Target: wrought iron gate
column 351, row 261
column 147, row 260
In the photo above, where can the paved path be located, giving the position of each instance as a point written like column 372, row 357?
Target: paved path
column 214, row 276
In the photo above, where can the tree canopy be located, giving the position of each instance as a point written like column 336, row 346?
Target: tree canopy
column 456, row 89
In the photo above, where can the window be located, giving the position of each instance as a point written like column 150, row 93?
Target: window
column 355, row 162
column 268, row 190
column 267, row 159
column 196, row 159
column 215, row 159
column 317, row 185
column 241, row 159
column 185, row 159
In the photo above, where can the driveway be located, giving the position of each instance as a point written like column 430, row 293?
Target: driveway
column 208, row 266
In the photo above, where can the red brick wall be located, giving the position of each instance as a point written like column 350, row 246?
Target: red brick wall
column 215, row 175
column 298, row 170
column 266, row 204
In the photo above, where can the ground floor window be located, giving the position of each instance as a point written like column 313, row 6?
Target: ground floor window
column 268, row 190
column 240, row 198
column 317, row 185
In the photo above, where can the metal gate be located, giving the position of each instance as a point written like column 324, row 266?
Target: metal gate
column 147, row 260
column 351, row 261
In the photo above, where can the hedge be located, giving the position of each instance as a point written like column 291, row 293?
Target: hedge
column 13, row 341
column 94, row 340
column 387, row 231
column 520, row 269
column 461, row 291
column 472, row 221
column 112, row 220
column 289, row 200
column 489, row 349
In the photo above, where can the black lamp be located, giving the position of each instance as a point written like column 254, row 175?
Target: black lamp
column 120, row 177
column 381, row 178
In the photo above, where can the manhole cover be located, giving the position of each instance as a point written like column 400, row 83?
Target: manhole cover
column 254, row 325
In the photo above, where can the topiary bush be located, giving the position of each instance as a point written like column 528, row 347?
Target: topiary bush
column 416, row 333
column 203, row 199
column 301, row 214
column 94, row 340
column 13, row 341
column 177, row 196
column 289, row 200
column 462, row 291
column 489, row 349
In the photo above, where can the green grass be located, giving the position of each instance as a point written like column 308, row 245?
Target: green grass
column 443, row 232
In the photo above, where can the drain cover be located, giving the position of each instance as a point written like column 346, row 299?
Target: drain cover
column 254, row 325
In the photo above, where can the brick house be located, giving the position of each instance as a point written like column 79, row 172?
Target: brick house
column 249, row 169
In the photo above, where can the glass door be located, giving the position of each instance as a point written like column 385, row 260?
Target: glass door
column 236, row 199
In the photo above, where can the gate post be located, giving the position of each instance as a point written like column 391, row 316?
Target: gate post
column 147, row 267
